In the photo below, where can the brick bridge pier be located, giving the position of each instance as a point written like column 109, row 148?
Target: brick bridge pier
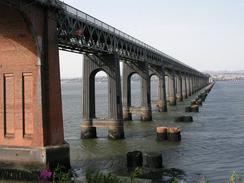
column 31, row 121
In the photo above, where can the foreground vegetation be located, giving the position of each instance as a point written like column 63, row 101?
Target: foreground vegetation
column 60, row 175
column 109, row 178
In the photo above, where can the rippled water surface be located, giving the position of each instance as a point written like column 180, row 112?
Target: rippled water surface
column 212, row 145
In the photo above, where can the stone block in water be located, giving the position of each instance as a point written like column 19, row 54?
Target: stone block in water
column 161, row 133
column 134, row 159
column 188, row 109
column 173, row 134
column 184, row 119
column 188, row 119
column 199, row 102
column 88, row 132
column 179, row 119
column 193, row 102
column 203, row 98
column 153, row 160
column 194, row 108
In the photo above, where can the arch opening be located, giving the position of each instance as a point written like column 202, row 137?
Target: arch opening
column 135, row 92
column 101, row 94
column 135, row 80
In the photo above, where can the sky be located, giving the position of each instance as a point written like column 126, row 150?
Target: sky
column 207, row 35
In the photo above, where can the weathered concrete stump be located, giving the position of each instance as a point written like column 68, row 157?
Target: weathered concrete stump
column 116, row 132
column 199, row 102
column 188, row 109
column 193, row 102
column 88, row 132
column 153, row 160
column 188, row 119
column 207, row 90
column 146, row 115
column 161, row 133
column 173, row 134
column 134, row 159
column 179, row 119
column 194, row 108
column 203, row 97
column 184, row 119
column 127, row 116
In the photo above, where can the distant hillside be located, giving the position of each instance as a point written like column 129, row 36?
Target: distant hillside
column 225, row 72
column 227, row 75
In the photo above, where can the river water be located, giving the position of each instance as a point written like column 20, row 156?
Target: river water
column 211, row 146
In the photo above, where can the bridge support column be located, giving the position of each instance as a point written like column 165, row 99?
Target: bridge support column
column 91, row 65
column 195, row 87
column 179, row 95
column 189, row 83
column 146, row 96
column 200, row 84
column 31, row 121
column 88, row 100
column 184, row 87
column 127, row 72
column 172, row 89
column 203, row 82
column 192, row 85
column 145, row 109
column 197, row 83
column 162, row 103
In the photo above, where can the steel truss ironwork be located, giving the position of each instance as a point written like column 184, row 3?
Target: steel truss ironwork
column 80, row 32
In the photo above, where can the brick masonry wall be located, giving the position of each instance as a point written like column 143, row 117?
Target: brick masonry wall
column 30, row 98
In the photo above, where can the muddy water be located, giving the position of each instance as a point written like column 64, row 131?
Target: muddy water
column 212, row 145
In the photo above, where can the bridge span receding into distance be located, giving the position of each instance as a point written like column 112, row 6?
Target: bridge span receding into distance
column 31, row 120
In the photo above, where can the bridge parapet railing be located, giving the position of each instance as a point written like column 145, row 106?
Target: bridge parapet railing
column 101, row 24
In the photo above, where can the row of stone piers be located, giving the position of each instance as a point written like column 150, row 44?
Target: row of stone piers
column 31, row 119
column 181, row 85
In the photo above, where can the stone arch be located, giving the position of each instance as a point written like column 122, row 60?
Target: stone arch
column 110, row 65
column 92, row 85
column 130, row 91
column 145, row 109
column 154, row 95
column 131, row 74
column 158, row 91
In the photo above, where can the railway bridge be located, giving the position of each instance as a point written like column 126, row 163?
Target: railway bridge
column 31, row 34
